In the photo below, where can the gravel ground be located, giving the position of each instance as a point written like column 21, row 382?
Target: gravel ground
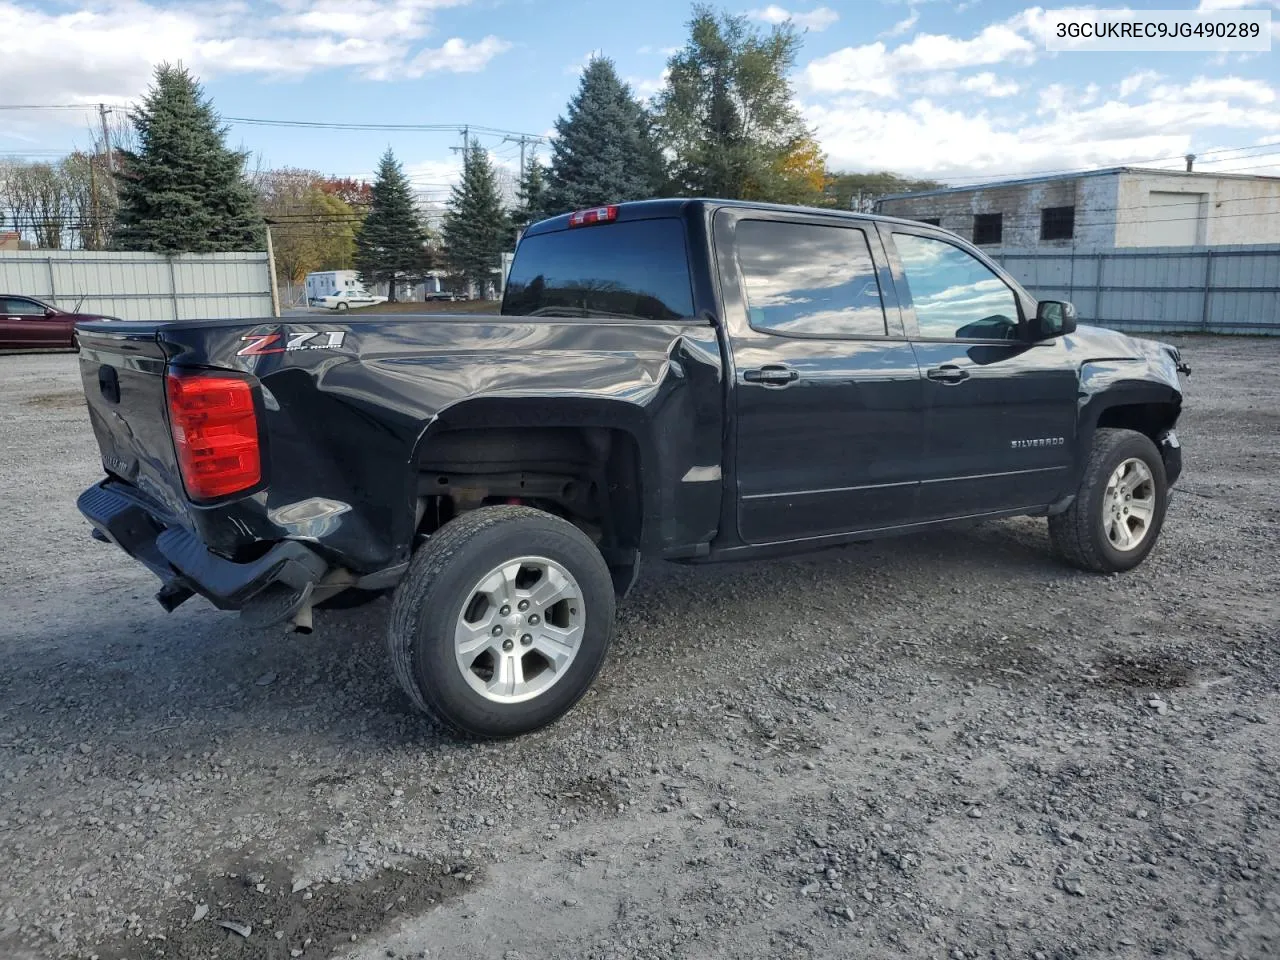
column 946, row 746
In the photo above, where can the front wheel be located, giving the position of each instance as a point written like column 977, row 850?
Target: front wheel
column 502, row 621
column 1118, row 512
column 342, row 307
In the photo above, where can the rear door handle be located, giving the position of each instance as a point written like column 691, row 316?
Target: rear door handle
column 948, row 373
column 773, row 375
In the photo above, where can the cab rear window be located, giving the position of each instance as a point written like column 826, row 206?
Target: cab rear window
column 633, row 269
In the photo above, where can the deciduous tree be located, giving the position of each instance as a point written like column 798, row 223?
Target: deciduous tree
column 727, row 113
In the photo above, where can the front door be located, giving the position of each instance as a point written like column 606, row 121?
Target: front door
column 23, row 324
column 827, row 390
column 1000, row 411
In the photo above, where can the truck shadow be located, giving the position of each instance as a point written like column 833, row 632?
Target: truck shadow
column 179, row 682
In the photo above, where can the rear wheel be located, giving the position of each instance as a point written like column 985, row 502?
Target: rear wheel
column 502, row 621
column 1119, row 509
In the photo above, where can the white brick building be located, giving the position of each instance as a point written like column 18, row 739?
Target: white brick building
column 1116, row 207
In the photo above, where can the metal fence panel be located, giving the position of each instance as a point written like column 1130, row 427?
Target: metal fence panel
column 1228, row 289
column 142, row 286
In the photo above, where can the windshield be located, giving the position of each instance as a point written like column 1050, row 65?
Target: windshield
column 636, row 268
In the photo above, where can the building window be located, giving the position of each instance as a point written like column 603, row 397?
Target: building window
column 931, row 221
column 1057, row 223
column 988, row 227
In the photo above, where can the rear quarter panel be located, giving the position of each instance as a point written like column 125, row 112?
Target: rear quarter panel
column 346, row 422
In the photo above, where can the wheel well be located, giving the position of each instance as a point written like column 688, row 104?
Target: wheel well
column 1151, row 419
column 588, row 475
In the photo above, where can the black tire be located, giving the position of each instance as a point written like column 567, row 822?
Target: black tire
column 428, row 602
column 350, row 599
column 1077, row 534
column 343, row 307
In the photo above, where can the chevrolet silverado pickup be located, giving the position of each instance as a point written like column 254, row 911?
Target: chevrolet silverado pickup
column 688, row 380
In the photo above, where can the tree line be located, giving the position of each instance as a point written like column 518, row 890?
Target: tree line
column 724, row 125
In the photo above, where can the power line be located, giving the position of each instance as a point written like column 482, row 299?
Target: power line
column 976, row 178
column 402, row 127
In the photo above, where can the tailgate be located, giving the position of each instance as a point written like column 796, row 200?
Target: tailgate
column 123, row 374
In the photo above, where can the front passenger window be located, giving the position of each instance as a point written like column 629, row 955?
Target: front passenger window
column 956, row 296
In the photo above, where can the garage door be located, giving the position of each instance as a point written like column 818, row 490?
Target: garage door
column 1175, row 219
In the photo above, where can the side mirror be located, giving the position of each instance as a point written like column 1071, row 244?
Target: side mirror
column 50, row 312
column 1053, row 319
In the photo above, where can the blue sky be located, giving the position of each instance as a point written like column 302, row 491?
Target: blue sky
column 958, row 91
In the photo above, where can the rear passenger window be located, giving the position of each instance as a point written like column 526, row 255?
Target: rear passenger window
column 809, row 280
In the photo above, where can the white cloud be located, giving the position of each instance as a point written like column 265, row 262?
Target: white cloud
column 646, row 87
column 1137, row 80
column 1202, row 88
column 816, row 20
column 1212, row 6
column 106, row 50
column 926, row 139
column 457, row 56
column 985, row 84
column 874, row 68
column 903, row 25
column 575, row 68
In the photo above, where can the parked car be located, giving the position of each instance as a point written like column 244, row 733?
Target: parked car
column 689, row 380
column 443, row 295
column 26, row 322
column 346, row 299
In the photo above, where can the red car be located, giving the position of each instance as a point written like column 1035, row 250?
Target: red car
column 27, row 322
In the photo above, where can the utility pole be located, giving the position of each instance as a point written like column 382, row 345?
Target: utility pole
column 523, row 139
column 466, row 141
column 106, row 138
column 96, row 222
column 271, row 270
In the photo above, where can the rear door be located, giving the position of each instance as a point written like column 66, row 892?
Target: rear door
column 1000, row 412
column 827, row 390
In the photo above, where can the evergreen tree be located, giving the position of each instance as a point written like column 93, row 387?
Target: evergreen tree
column 183, row 191
column 475, row 227
column 531, row 195
column 729, row 117
column 605, row 151
column 391, row 244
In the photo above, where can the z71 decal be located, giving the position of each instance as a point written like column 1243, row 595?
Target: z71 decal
column 264, row 343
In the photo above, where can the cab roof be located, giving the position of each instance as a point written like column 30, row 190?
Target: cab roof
column 685, row 206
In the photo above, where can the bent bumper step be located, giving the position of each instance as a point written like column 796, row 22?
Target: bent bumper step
column 182, row 562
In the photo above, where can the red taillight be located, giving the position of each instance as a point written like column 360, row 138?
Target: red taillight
column 215, row 433
column 581, row 218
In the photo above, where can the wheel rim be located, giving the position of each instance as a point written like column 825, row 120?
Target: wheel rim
column 1129, row 505
column 520, row 629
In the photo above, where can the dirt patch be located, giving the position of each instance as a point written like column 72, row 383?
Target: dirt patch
column 589, row 794
column 62, row 400
column 318, row 920
column 1157, row 670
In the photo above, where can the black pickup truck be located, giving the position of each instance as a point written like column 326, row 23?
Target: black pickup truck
column 688, row 380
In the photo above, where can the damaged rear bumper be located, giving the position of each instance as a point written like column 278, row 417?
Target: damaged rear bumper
column 120, row 515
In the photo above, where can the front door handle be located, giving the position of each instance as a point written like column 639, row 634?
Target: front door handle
column 948, row 373
column 773, row 375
